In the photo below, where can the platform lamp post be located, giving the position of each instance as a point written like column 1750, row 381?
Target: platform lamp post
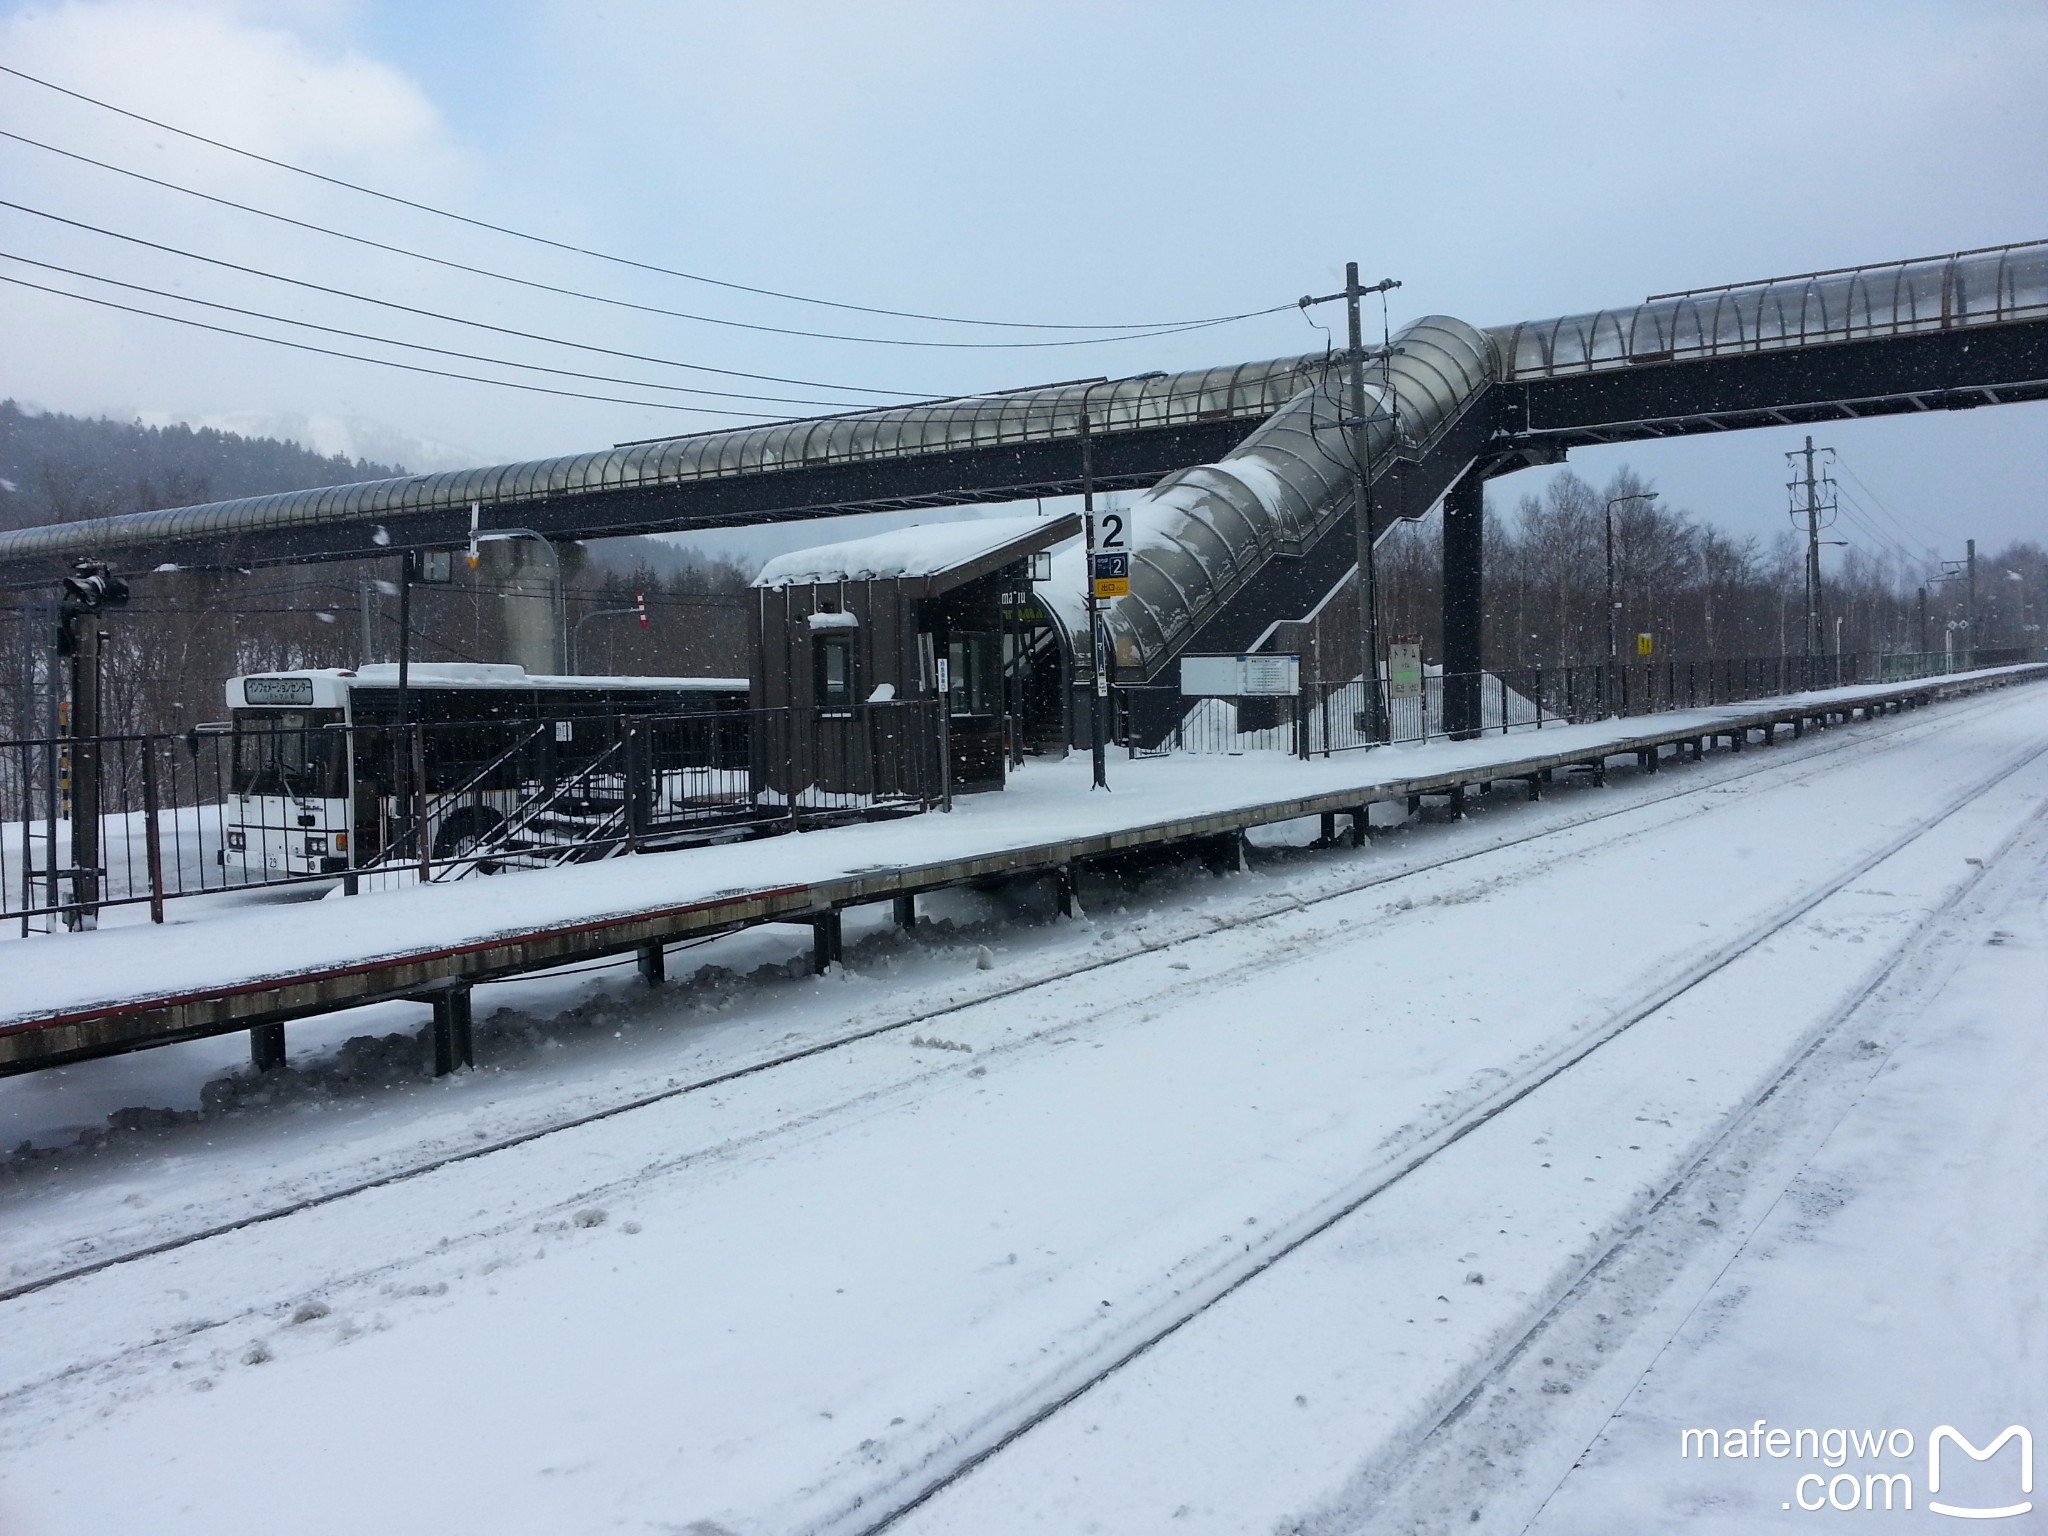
column 1613, row 651
column 638, row 610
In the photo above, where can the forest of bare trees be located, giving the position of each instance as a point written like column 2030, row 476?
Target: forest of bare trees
column 1698, row 590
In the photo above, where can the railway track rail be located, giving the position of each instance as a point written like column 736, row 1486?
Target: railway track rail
column 863, row 1519
column 1889, row 734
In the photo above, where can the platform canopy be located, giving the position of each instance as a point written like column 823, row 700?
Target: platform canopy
column 945, row 555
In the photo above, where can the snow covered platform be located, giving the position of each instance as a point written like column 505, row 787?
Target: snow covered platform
column 75, row 996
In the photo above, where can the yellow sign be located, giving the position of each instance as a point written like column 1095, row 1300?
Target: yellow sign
column 1645, row 644
column 1111, row 575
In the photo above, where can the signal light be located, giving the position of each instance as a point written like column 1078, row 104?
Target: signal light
column 93, row 587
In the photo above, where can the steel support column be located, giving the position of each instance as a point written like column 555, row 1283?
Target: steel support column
column 828, row 946
column 454, row 1043
column 266, row 1047
column 1464, row 523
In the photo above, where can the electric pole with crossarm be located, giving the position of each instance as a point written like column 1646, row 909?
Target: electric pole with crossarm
column 1361, row 492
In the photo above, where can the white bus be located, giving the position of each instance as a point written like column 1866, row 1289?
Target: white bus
column 321, row 780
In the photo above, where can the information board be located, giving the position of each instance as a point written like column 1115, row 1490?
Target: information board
column 1404, row 670
column 1230, row 677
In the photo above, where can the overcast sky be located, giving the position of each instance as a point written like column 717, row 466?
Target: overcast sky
column 1078, row 163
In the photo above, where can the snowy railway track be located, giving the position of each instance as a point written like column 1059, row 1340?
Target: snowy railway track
column 860, row 1516
column 1889, row 735
column 793, row 1308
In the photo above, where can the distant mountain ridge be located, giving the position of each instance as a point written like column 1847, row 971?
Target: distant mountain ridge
column 58, row 469
column 345, row 437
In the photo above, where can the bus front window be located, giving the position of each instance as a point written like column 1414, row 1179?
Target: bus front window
column 288, row 752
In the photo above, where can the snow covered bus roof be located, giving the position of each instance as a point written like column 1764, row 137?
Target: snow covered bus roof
column 312, row 687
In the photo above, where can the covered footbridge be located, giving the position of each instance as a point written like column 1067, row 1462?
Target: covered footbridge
column 1247, row 515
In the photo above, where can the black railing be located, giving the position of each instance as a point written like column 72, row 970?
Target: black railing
column 221, row 809
column 1331, row 717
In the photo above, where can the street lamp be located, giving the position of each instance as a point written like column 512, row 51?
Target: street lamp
column 1613, row 654
column 638, row 610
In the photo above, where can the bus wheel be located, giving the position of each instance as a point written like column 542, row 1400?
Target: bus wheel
column 466, row 831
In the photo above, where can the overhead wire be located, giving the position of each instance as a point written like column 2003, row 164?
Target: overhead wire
column 417, row 346
column 958, row 404
column 383, row 362
column 1864, row 519
column 606, row 299
column 1155, row 327
column 1910, row 527
column 907, row 398
column 599, row 298
column 431, row 314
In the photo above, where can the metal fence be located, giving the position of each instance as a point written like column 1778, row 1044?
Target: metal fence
column 377, row 806
column 1327, row 718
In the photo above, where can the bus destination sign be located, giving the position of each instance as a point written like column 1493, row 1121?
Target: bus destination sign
column 277, row 690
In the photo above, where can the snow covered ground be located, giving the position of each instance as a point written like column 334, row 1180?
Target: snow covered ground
column 1361, row 1191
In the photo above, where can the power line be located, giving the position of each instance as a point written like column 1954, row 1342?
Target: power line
column 1911, row 527
column 599, row 298
column 1862, row 517
column 1155, row 327
column 430, row 314
column 960, row 404
column 381, row 362
column 417, row 346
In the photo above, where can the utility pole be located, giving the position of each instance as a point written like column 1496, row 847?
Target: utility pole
column 1814, row 506
column 1923, row 621
column 1970, row 559
column 1966, row 569
column 1361, row 491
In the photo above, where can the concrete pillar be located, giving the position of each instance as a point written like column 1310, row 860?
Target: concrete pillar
column 519, row 568
column 1464, row 607
column 653, row 964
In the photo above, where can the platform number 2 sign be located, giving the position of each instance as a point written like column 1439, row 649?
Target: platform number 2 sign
column 1111, row 562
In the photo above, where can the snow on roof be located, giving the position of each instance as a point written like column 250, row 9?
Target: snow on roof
column 474, row 674
column 923, row 549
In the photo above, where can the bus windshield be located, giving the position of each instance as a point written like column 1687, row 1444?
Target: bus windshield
column 289, row 752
